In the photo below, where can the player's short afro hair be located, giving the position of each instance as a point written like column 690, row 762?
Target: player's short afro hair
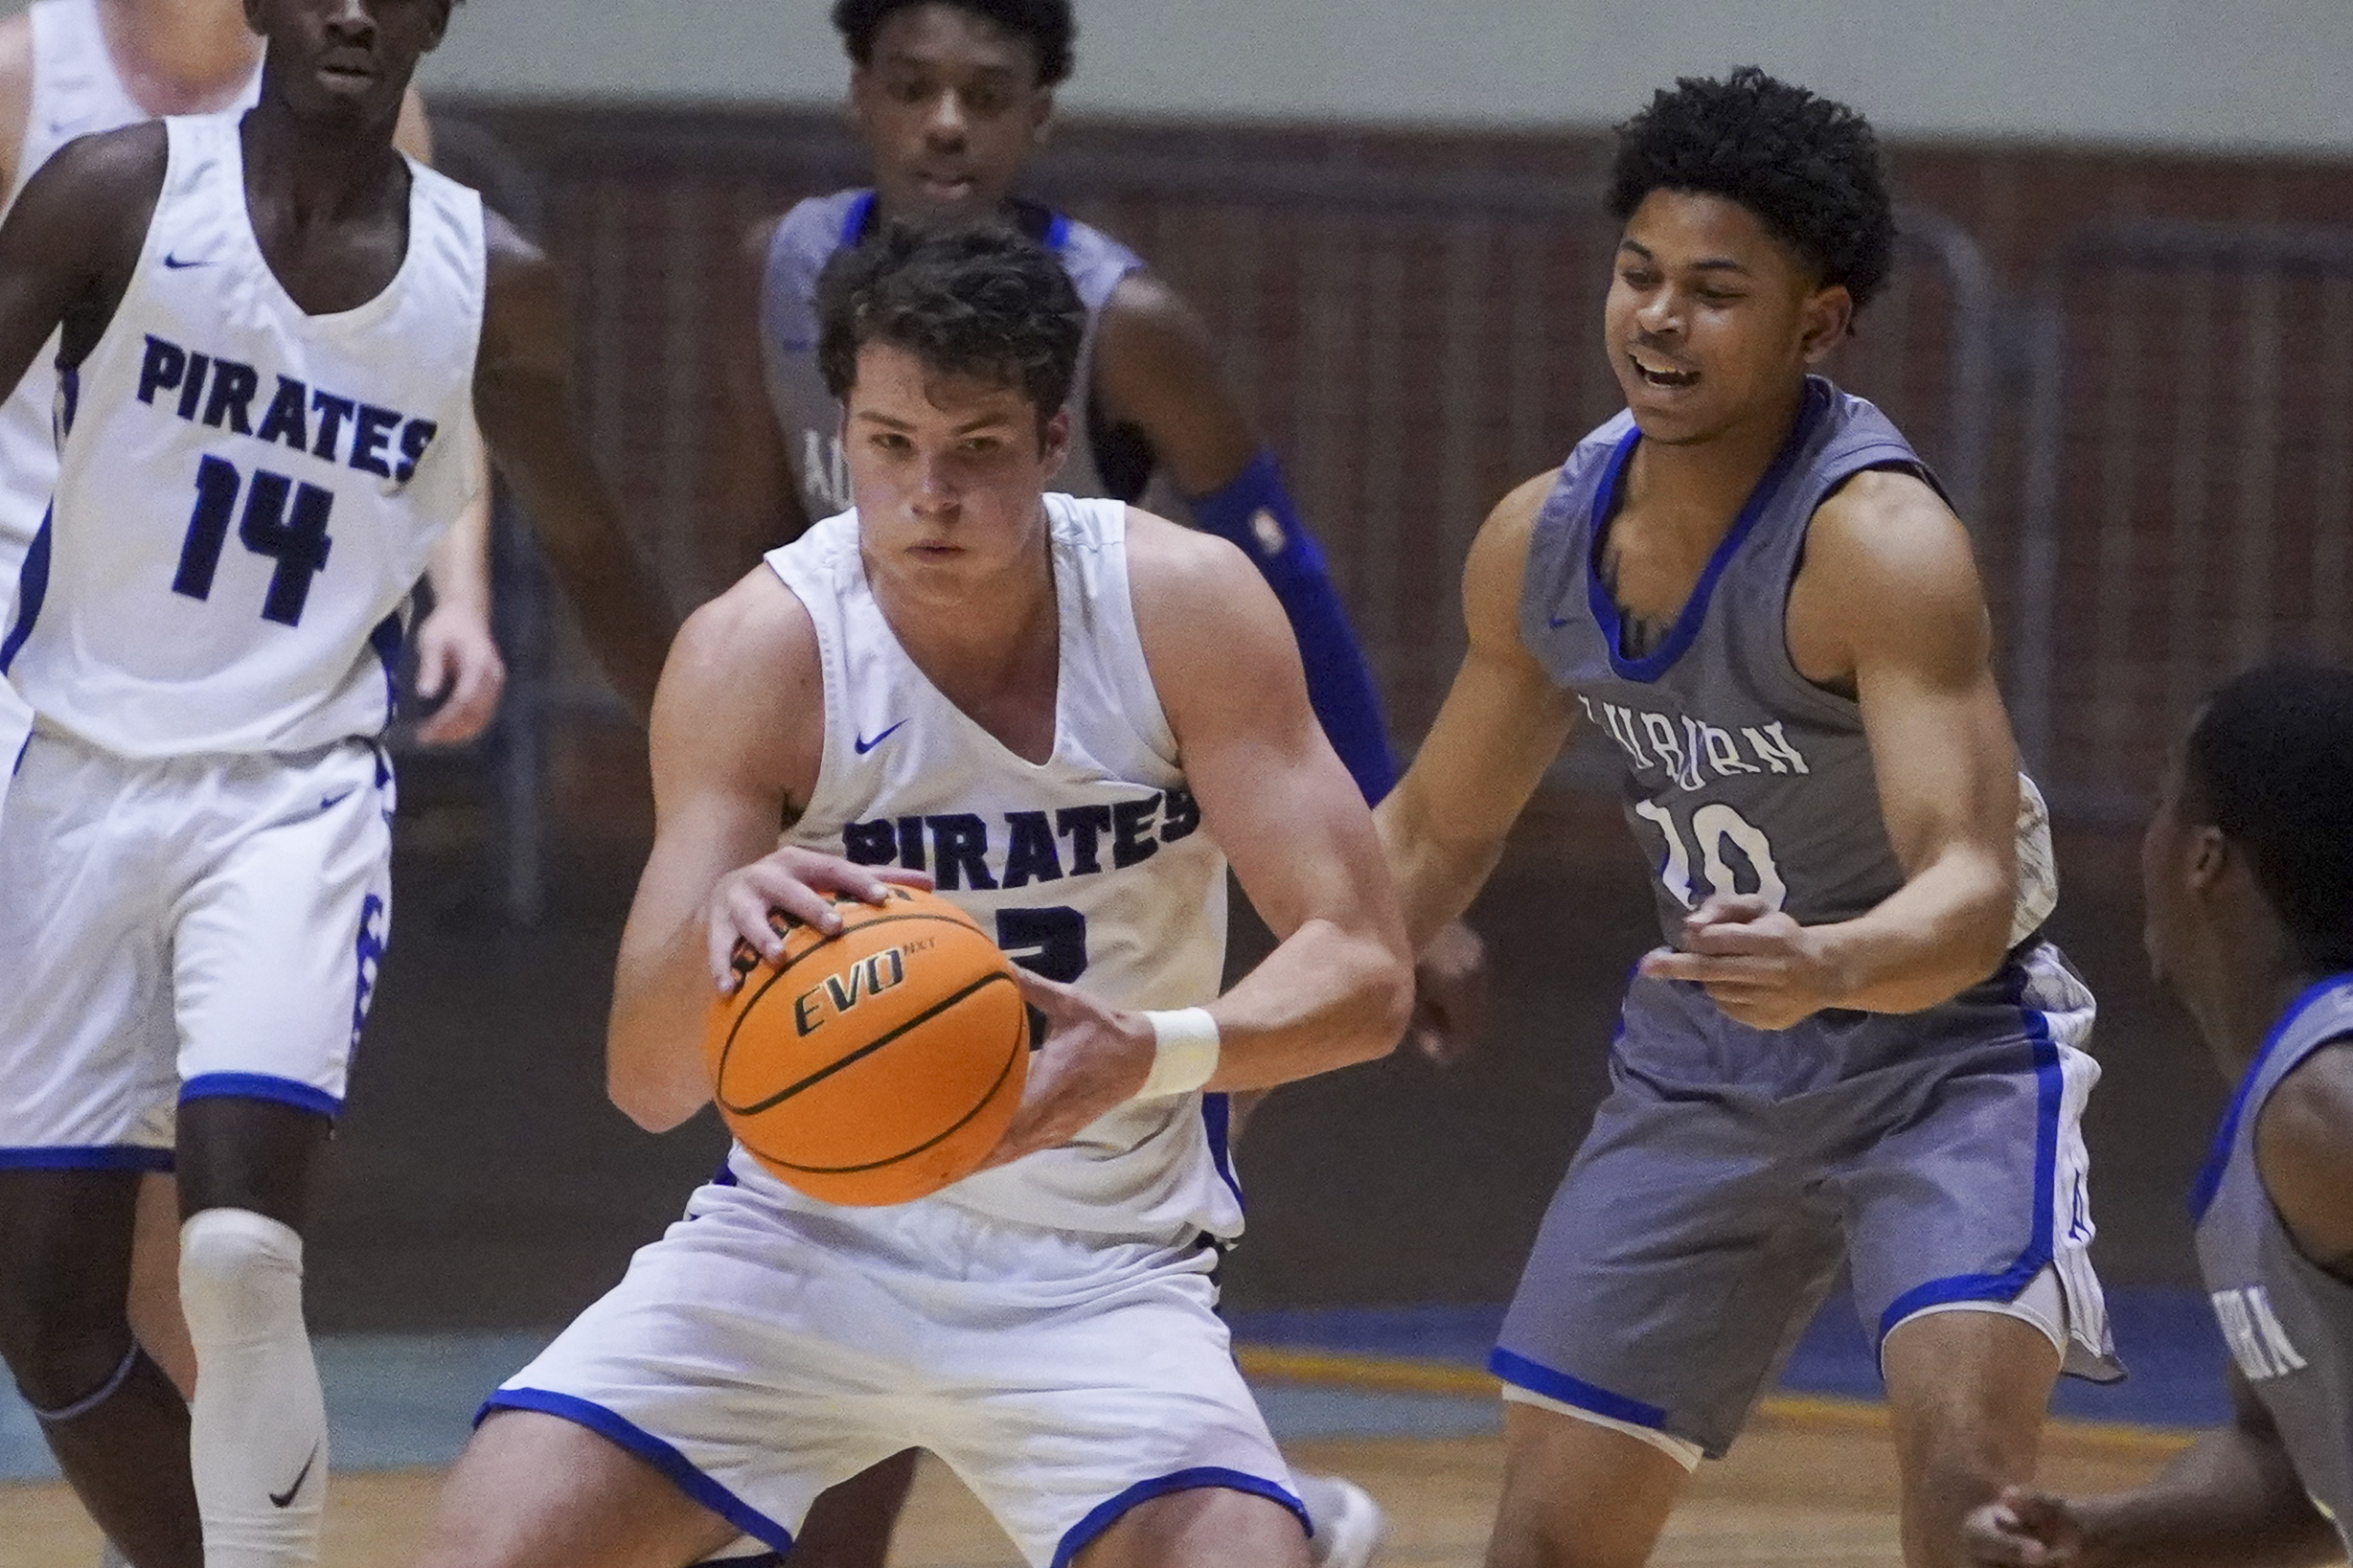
column 1050, row 27
column 2271, row 764
column 979, row 300
column 1807, row 167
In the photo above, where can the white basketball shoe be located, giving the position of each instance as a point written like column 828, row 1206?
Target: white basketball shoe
column 1349, row 1525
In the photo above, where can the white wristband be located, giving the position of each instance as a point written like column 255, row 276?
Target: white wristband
column 1185, row 1052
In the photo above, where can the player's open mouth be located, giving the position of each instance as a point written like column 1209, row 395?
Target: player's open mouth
column 1662, row 374
column 946, row 187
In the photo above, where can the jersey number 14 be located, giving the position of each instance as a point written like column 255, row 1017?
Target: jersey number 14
column 283, row 521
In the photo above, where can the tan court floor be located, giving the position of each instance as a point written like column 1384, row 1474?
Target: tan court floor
column 1811, row 1486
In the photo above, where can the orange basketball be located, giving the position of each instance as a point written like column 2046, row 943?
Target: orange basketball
column 878, row 1065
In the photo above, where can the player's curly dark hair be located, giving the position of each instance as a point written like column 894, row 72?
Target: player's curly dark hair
column 977, row 300
column 1047, row 25
column 2271, row 764
column 1807, row 167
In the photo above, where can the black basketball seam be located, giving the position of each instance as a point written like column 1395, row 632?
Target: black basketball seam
column 774, row 975
column 1019, row 1050
column 859, row 1055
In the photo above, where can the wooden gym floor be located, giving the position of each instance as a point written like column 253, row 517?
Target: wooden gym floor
column 1812, row 1482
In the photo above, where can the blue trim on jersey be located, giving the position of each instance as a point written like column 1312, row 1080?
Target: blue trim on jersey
column 1058, row 234
column 765, row 1560
column 853, row 221
column 1537, row 1379
column 69, row 384
column 626, row 1434
column 1104, row 1515
column 2226, row 1136
column 31, row 587
column 105, row 1157
column 1217, row 1118
column 284, row 1091
column 18, row 765
column 386, row 640
column 1654, row 665
column 2052, row 1093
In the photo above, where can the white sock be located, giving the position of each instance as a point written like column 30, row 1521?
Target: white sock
column 257, row 1434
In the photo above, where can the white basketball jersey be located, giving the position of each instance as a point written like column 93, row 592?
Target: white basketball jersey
column 249, row 493
column 75, row 92
column 1091, row 867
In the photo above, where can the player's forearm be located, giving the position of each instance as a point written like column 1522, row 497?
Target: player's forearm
column 1945, row 930
column 2231, row 1501
column 623, row 608
column 1436, row 879
column 459, row 568
column 1327, row 997
column 662, row 999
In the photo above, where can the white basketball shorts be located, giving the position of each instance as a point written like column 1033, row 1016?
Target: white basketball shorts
column 180, row 929
column 760, row 1353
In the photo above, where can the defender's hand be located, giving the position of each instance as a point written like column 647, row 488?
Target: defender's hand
column 456, row 654
column 1762, row 967
column 1450, row 996
column 1094, row 1059
column 795, row 882
column 2026, row 1529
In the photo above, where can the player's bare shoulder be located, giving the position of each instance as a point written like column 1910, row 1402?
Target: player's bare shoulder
column 744, row 688
column 1886, row 565
column 72, row 242
column 1202, row 613
column 1495, row 574
column 1183, row 578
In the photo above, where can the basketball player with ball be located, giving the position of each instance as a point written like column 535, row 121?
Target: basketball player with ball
column 1069, row 714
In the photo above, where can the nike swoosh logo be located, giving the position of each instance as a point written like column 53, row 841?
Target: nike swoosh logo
column 177, row 265
column 797, row 345
column 1560, row 621
column 333, row 801
column 865, row 745
column 283, row 1499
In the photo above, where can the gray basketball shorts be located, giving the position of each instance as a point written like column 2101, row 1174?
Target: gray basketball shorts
column 1731, row 1171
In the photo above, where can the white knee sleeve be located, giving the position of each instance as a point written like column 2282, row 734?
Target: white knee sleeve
column 257, row 1426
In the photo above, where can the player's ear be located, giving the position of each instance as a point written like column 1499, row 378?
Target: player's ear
column 1824, row 322
column 440, row 25
column 2210, row 857
column 1054, row 441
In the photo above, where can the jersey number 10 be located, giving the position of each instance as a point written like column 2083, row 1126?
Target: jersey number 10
column 284, row 521
column 1714, row 825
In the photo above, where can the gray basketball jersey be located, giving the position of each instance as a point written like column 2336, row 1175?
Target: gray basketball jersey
column 1742, row 776
column 806, row 240
column 2288, row 1323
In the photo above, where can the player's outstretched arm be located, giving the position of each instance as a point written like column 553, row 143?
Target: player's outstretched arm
column 1501, row 725
column 727, row 776
column 1889, row 603
column 71, row 243
column 524, row 399
column 2231, row 1500
column 1156, row 369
